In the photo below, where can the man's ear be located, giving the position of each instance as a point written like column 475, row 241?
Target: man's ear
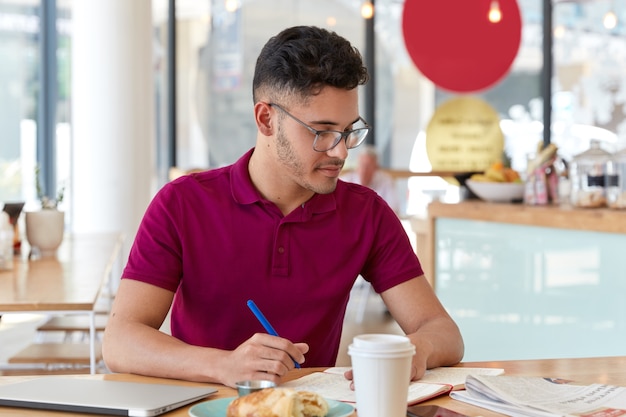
column 263, row 118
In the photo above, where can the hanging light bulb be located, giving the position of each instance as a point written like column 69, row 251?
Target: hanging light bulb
column 495, row 14
column 610, row 20
column 367, row 10
column 231, row 5
column 559, row 31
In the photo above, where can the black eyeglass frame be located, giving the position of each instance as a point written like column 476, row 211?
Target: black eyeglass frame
column 341, row 135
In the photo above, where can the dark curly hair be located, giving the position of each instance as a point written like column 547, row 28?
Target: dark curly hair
column 302, row 60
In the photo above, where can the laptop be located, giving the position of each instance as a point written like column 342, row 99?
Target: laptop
column 100, row 396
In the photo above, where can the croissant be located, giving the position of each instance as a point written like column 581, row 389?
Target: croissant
column 278, row 402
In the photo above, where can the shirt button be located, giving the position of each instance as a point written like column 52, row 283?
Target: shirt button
column 281, row 250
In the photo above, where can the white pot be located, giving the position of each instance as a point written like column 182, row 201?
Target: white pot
column 44, row 230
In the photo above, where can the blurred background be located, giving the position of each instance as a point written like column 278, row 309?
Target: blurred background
column 107, row 95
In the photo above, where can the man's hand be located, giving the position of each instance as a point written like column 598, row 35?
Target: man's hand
column 262, row 357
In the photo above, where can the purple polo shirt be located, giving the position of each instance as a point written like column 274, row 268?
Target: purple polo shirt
column 211, row 238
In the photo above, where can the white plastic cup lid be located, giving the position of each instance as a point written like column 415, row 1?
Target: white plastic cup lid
column 381, row 344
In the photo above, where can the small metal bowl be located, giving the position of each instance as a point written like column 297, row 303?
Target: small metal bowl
column 248, row 387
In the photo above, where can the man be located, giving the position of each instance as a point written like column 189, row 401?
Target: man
column 276, row 227
column 369, row 174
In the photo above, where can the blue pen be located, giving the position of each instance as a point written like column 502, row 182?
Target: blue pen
column 266, row 324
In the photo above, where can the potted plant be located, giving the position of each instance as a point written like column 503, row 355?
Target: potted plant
column 47, row 203
column 45, row 227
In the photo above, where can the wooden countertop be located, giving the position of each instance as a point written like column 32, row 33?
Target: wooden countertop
column 605, row 370
column 70, row 280
column 562, row 217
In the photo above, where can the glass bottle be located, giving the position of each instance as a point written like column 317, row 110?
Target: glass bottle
column 587, row 176
column 6, row 242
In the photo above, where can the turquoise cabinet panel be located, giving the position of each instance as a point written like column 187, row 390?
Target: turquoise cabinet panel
column 522, row 292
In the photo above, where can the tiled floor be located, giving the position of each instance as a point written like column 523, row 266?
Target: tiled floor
column 19, row 330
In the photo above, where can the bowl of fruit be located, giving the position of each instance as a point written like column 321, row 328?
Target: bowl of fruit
column 498, row 184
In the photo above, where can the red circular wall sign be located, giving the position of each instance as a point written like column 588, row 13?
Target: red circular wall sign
column 453, row 43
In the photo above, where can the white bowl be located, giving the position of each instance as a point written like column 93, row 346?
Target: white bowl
column 497, row 192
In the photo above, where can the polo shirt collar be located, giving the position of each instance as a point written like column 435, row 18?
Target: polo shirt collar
column 244, row 192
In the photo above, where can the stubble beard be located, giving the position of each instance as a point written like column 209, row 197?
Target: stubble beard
column 290, row 160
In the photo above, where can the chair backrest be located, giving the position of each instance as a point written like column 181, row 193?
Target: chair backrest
column 176, row 172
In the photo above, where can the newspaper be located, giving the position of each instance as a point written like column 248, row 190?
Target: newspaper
column 542, row 397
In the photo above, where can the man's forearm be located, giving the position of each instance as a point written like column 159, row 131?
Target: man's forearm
column 146, row 351
column 439, row 343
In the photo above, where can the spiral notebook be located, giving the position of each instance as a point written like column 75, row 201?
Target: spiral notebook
column 100, row 396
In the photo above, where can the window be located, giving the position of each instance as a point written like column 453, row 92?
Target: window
column 22, row 86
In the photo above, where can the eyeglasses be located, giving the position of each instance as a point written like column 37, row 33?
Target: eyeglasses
column 325, row 140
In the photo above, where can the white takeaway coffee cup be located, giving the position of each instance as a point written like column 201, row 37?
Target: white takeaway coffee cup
column 381, row 366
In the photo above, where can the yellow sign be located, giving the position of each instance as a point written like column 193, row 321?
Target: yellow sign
column 464, row 135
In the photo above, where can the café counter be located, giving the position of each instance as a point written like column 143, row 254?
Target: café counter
column 526, row 282
column 556, row 216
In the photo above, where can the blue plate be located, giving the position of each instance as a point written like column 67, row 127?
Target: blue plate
column 217, row 408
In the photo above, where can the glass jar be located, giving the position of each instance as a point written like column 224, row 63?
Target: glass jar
column 587, row 176
column 616, row 180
